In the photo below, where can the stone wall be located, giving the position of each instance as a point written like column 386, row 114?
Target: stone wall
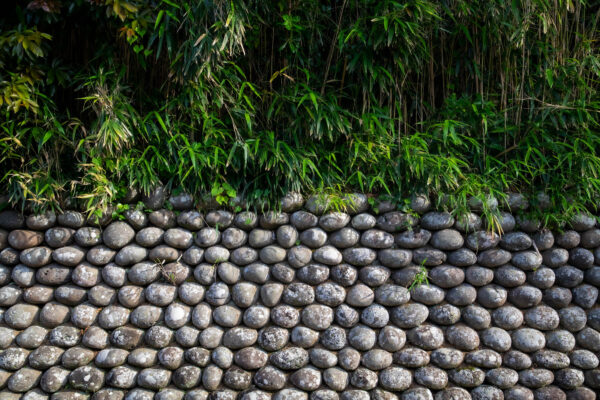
column 176, row 304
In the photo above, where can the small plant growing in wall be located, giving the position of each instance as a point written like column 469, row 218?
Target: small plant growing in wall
column 168, row 275
column 421, row 277
column 223, row 193
column 119, row 212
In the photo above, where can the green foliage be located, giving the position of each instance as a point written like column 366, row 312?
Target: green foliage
column 420, row 278
column 251, row 99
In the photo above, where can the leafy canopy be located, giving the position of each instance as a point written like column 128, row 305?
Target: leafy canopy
column 257, row 98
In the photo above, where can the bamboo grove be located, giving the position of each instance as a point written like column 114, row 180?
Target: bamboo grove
column 257, row 98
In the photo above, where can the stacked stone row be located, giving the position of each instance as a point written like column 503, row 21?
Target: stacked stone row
column 297, row 304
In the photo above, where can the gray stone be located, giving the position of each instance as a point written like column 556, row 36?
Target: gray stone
column 346, row 316
column 492, row 296
column 216, row 254
column 318, row 317
column 41, row 222
column 409, row 315
column 21, row 239
column 447, row 239
column 462, row 337
column 568, row 239
column 269, row 378
column 364, row 378
column 13, row 358
column 543, row 239
column 84, row 315
column 287, row 236
column 363, row 221
column 581, row 258
column 444, row 314
column 333, row 221
column 516, row 241
column 431, row 378
column 32, row 337
column 509, row 276
column 427, row 294
column 542, row 278
column 23, row 380
column 153, row 378
column 560, row 340
column 535, row 378
column 476, row 317
column 170, row 357
column 158, row 336
column 227, row 316
column 76, row 357
column 88, row 236
column 87, row 378
column 36, row 257
column 9, row 256
column 21, row 316
column 313, row 274
column 308, row 379
column 377, row 239
column 447, row 358
column 551, row 359
column 414, row 238
column 569, row 276
column 482, row 240
column 36, row 294
column 291, row 202
column 497, row 339
column 503, row 378
column 344, row 274
column 589, row 338
column 484, row 358
column 291, row 358
column 555, row 257
column 516, row 360
column 118, row 234
column 528, row 340
column 333, row 338
column 427, row 337
column 143, row 273
column 54, row 379
column 131, row 254
column 328, row 255
column 467, row 377
column 22, row 276
column 95, row 337
column 590, row 239
column 462, row 257
column 273, row 219
column 429, row 257
column 178, row 238
column 71, row 219
column 100, row 255
column 376, row 359
column 585, row 295
column 437, row 220
column 164, row 219
column 446, row 276
column 136, row 218
column 467, row 223
column 542, row 318
column 54, row 314
column 374, row 275
column 461, row 295
column 239, row 337
column 396, row 221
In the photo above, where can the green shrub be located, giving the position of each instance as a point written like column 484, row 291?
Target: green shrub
column 257, row 98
